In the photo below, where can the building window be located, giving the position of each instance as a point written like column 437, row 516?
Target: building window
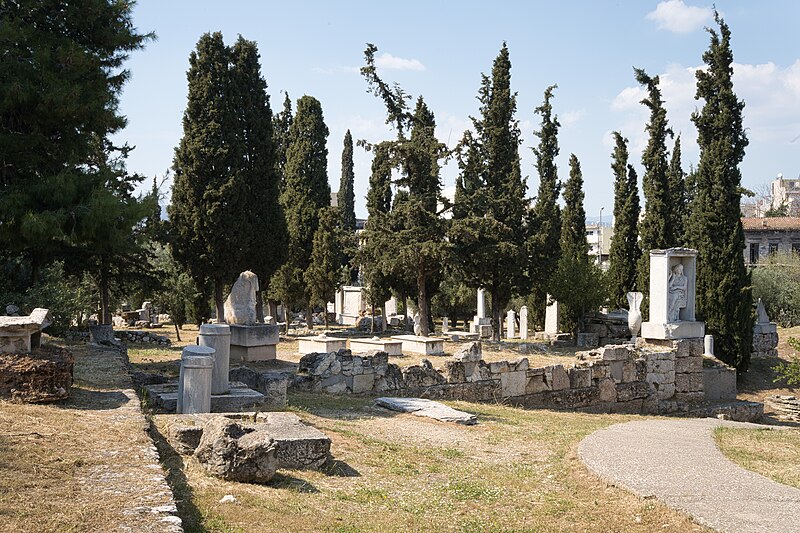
column 773, row 248
column 753, row 253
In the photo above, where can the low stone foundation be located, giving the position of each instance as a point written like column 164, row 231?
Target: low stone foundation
column 124, row 335
column 45, row 375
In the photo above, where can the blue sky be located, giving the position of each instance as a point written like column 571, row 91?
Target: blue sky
column 439, row 49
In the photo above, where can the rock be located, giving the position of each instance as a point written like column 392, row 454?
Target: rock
column 12, row 310
column 240, row 307
column 228, row 498
column 427, row 408
column 235, row 452
column 44, row 375
column 469, row 353
column 421, row 376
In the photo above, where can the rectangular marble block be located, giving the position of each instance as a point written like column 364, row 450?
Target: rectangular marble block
column 391, row 347
column 258, row 335
column 673, row 330
column 463, row 336
column 319, row 345
column 423, row 345
column 245, row 354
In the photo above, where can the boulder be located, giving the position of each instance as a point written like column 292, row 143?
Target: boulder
column 240, row 307
column 235, row 452
column 469, row 353
column 44, row 375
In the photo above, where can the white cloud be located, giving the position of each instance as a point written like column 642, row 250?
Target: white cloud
column 677, row 17
column 571, row 117
column 390, row 62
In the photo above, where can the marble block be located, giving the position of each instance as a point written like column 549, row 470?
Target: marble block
column 321, row 344
column 254, row 343
column 421, row 345
column 391, row 347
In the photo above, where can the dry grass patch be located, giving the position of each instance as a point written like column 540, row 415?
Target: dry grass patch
column 515, row 471
column 772, row 453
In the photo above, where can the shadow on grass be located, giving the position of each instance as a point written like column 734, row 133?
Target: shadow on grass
column 336, row 468
column 295, row 484
column 93, row 400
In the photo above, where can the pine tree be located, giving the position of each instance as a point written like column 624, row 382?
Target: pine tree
column 418, row 241
column 545, row 217
column 322, row 274
column 679, row 201
column 624, row 254
column 655, row 231
column 724, row 297
column 305, row 192
column 577, row 282
column 487, row 234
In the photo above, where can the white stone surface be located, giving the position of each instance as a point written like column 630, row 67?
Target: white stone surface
column 634, row 312
column 427, row 408
column 673, row 284
column 218, row 337
column 708, row 345
column 352, row 305
column 481, row 304
column 511, row 324
column 240, row 307
column 390, row 307
column 321, row 344
column 21, row 334
column 254, row 343
column 421, row 345
column 523, row 322
column 391, row 347
column 677, row 330
column 551, row 316
column 194, row 381
column 445, row 324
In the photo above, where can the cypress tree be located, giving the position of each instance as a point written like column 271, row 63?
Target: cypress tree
column 655, row 231
column 572, row 240
column 305, row 192
column 487, row 234
column 624, row 254
column 322, row 274
column 346, row 198
column 545, row 217
column 724, row 297
column 418, row 240
column 257, row 171
column 281, row 123
column 379, row 196
column 679, row 200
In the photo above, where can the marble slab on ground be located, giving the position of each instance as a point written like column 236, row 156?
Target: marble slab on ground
column 240, row 398
column 427, row 408
column 421, row 345
column 298, row 445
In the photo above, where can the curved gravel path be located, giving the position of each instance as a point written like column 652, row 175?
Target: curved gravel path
column 677, row 462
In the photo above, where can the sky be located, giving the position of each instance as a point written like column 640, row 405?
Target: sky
column 439, row 50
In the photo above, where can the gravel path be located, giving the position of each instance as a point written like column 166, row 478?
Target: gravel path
column 677, row 462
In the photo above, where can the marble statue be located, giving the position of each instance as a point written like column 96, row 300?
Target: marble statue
column 240, row 307
column 678, row 285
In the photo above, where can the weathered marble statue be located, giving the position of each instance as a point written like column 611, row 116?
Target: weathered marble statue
column 417, row 325
column 678, row 285
column 240, row 307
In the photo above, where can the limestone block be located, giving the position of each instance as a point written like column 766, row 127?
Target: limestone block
column 580, row 378
column 608, row 390
column 455, row 372
column 234, row 452
column 617, row 352
column 588, row 340
column 628, row 371
column 719, row 383
column 536, row 383
column 641, row 369
column 240, row 307
column 689, row 364
column 660, row 366
column 363, row 383
column 660, row 378
column 689, row 382
column 421, row 376
column 665, row 390
column 519, row 364
column 469, row 353
column 689, row 397
column 334, row 384
column 556, row 377
column 513, row 383
column 688, row 347
column 632, row 391
column 498, row 367
column 617, row 370
column 273, row 385
column 601, row 370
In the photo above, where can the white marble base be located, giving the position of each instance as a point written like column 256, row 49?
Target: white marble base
column 462, row 336
column 391, row 347
column 321, row 344
column 422, row 345
column 673, row 330
column 244, row 354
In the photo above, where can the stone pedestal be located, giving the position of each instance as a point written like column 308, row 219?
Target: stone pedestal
column 391, row 347
column 218, row 337
column 445, row 324
column 422, row 345
column 321, row 344
column 511, row 324
column 708, row 345
column 551, row 318
column 350, row 305
column 672, row 296
column 194, row 382
column 254, row 343
column 523, row 322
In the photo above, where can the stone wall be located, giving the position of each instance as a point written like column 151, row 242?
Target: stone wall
column 765, row 341
column 125, row 335
column 615, row 378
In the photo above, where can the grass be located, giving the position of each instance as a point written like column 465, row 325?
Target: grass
column 771, row 453
column 515, row 471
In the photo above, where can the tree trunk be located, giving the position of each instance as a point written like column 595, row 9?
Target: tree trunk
column 372, row 314
column 309, row 318
column 422, row 302
column 273, row 309
column 326, row 316
column 105, row 314
column 497, row 324
column 177, row 333
column 285, row 317
column 259, row 306
column 218, row 301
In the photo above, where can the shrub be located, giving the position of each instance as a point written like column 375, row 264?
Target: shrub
column 776, row 280
column 790, row 372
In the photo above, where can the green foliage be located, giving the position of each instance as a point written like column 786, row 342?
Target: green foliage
column 545, row 218
column 578, row 282
column 179, row 294
column 780, row 211
column 776, row 280
column 656, row 230
column 715, row 229
column 624, row 254
column 281, row 124
column 790, row 372
column 346, row 198
column 679, row 198
column 488, row 231
column 322, row 274
column 305, row 193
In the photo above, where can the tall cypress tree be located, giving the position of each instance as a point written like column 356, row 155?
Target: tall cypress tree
column 346, row 198
column 257, row 172
column 208, row 199
column 305, row 192
column 322, row 273
column 624, row 254
column 655, row 231
column 281, row 124
column 379, row 196
column 724, row 297
column 573, row 218
column 545, row 217
column 679, row 200
column 487, row 234
column 418, row 242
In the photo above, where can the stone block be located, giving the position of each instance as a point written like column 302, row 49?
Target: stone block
column 513, row 383
column 673, row 330
column 689, row 382
column 469, row 353
column 688, row 347
column 421, row 345
column 246, row 354
column 628, row 371
column 236, row 453
column 613, row 352
column 519, row 364
column 617, row 370
column 601, row 370
column 689, row 364
column 536, row 383
column 498, row 367
column 660, row 378
column 334, row 384
column 689, row 397
column 588, row 340
column 665, row 390
column 660, row 366
column 455, row 371
column 273, row 386
column 391, row 347
column 719, row 383
column 580, row 378
column 320, row 344
column 608, row 390
column 556, row 377
column 363, row 383
column 632, row 391
column 258, row 335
